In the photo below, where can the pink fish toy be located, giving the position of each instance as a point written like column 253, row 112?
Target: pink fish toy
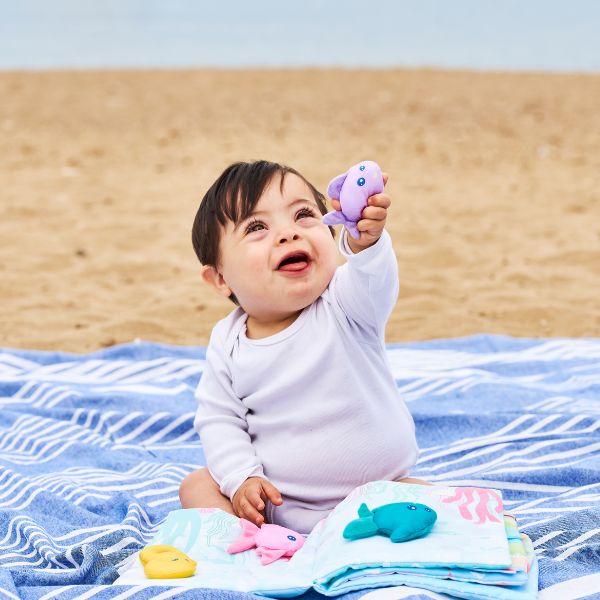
column 271, row 541
column 353, row 189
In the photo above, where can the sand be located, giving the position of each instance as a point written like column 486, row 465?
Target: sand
column 494, row 179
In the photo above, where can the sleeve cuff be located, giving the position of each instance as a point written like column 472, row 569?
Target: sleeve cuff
column 381, row 245
column 230, row 485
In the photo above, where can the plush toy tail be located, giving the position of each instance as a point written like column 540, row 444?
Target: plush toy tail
column 337, row 217
column 360, row 528
column 269, row 555
column 246, row 541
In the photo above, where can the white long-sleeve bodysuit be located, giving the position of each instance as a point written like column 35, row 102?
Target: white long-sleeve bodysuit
column 313, row 408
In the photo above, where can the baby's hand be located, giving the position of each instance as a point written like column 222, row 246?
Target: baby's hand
column 372, row 222
column 249, row 501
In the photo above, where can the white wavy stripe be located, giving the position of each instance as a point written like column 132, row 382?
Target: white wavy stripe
column 141, row 428
column 57, row 548
column 122, row 543
column 60, row 590
column 572, row 589
column 143, row 389
column 80, row 474
column 433, row 384
column 500, row 442
column 126, row 372
column 546, row 538
column 551, row 351
column 66, row 394
column 192, row 370
column 27, row 493
column 36, row 388
column 47, row 451
column 171, row 446
column 162, row 433
column 172, row 371
column 574, row 494
column 174, row 500
column 545, row 468
column 22, row 428
column 77, row 371
column 137, row 516
column 95, row 371
column 495, row 435
column 508, row 462
column 132, row 373
column 76, row 489
column 8, row 594
column 504, row 468
column 30, row 426
column 41, row 438
column 568, row 405
column 8, row 362
column 107, row 430
column 45, row 395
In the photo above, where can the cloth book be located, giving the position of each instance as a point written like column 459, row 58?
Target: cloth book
column 473, row 551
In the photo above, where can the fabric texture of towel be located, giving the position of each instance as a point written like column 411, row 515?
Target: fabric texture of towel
column 93, row 449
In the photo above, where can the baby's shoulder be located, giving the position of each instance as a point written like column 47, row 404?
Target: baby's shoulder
column 226, row 330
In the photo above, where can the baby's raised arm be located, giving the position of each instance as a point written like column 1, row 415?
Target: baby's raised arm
column 366, row 287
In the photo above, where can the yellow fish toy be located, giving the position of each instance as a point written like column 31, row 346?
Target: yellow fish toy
column 166, row 562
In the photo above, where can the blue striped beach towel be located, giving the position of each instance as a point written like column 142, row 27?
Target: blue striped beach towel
column 93, row 448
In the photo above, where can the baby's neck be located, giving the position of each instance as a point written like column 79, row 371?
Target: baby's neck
column 257, row 329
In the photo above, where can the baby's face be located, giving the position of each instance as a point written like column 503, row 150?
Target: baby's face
column 282, row 257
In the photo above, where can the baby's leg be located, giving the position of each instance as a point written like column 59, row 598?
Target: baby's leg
column 200, row 490
column 413, row 480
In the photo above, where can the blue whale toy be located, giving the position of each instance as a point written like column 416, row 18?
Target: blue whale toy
column 400, row 521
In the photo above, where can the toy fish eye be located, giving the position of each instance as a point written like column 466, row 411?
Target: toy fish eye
column 291, row 538
column 428, row 509
column 361, row 168
column 411, row 507
column 361, row 181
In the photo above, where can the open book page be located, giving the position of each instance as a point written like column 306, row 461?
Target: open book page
column 204, row 535
column 469, row 531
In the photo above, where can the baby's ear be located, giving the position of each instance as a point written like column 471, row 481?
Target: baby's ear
column 212, row 276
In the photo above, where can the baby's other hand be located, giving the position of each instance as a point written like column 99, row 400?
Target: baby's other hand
column 249, row 501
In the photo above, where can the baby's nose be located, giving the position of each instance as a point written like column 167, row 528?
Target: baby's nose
column 287, row 237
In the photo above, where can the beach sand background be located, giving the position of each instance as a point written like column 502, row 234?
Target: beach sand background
column 494, row 178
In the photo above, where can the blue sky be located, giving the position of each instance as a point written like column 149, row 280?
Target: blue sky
column 549, row 35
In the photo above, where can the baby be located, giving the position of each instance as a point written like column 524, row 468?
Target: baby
column 297, row 403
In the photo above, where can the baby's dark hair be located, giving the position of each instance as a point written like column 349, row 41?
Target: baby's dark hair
column 233, row 197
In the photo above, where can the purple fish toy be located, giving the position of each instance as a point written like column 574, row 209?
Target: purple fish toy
column 353, row 189
column 271, row 541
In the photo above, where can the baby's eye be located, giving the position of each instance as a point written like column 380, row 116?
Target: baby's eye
column 305, row 212
column 254, row 226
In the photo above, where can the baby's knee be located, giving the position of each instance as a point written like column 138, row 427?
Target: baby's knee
column 194, row 486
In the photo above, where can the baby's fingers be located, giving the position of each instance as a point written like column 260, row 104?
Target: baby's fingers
column 250, row 512
column 336, row 205
column 381, row 200
column 272, row 492
column 375, row 213
column 255, row 499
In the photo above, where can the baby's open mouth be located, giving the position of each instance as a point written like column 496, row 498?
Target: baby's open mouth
column 295, row 261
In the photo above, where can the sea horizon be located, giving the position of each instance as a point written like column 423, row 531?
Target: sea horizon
column 465, row 35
